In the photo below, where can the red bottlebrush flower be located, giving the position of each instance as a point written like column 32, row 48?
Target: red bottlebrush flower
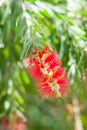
column 45, row 68
column 6, row 122
column 20, row 126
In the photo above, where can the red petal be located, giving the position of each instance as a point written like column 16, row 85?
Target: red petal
column 51, row 57
column 36, row 72
column 41, row 65
column 63, row 81
column 63, row 90
column 55, row 63
column 58, row 73
column 33, row 61
column 45, row 89
column 30, row 61
column 53, row 60
column 46, row 48
column 41, row 53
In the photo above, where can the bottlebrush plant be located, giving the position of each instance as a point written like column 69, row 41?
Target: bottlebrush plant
column 44, row 66
column 13, row 124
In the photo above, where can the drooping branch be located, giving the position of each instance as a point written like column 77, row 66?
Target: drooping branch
column 76, row 112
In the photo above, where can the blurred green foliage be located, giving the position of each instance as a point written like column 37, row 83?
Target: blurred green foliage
column 29, row 23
